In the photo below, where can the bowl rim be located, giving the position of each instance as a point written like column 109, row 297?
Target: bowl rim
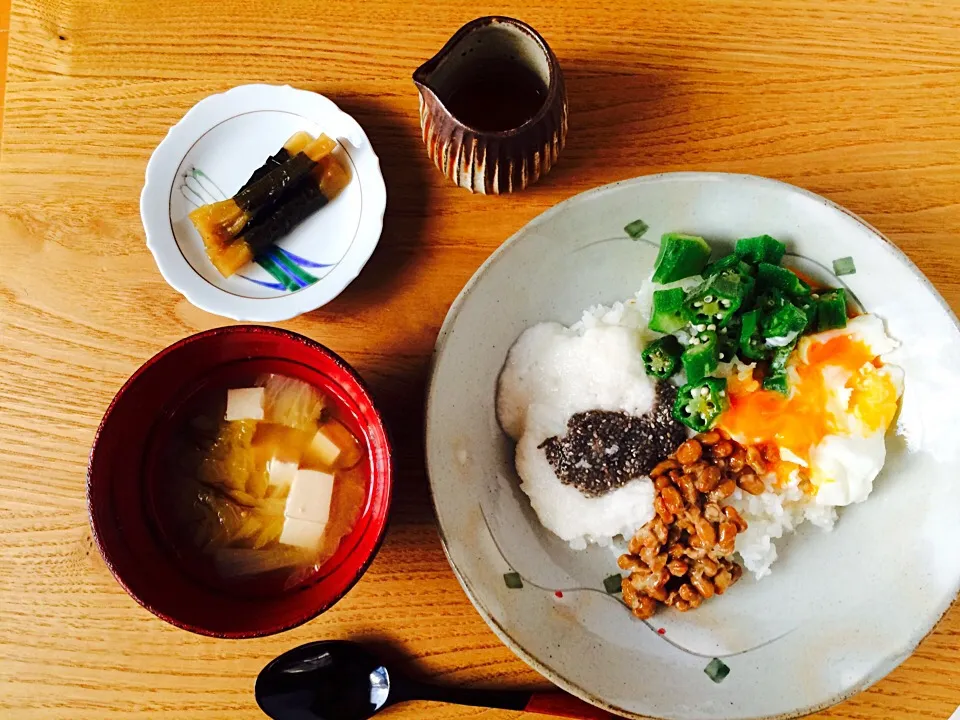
column 447, row 326
column 160, row 175
column 270, row 629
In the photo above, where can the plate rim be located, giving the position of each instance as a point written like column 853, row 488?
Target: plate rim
column 445, row 330
column 177, row 272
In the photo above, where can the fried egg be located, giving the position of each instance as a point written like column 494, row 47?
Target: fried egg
column 841, row 402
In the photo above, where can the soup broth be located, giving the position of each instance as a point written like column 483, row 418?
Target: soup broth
column 262, row 483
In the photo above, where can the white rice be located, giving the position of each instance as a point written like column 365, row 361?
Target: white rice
column 772, row 514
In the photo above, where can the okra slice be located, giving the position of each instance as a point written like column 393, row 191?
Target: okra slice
column 661, row 358
column 701, row 356
column 666, row 316
column 832, row 310
column 776, row 377
column 700, row 404
column 681, row 256
column 714, row 301
column 762, row 248
column 776, row 382
column 729, row 262
column 728, row 340
column 752, row 343
column 774, row 276
column 784, row 321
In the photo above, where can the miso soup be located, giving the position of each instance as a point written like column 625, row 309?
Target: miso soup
column 263, row 483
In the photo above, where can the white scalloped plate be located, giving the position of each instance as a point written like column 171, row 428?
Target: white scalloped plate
column 210, row 153
column 841, row 609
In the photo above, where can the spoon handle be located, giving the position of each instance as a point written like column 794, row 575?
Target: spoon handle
column 561, row 704
column 554, row 702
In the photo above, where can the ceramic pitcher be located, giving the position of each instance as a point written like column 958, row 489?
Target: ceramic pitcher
column 493, row 106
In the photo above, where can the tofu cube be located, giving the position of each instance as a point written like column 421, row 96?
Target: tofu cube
column 245, row 404
column 323, row 450
column 310, row 496
column 301, row 533
column 281, row 474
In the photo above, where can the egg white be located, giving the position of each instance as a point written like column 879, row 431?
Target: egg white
column 843, row 466
column 868, row 329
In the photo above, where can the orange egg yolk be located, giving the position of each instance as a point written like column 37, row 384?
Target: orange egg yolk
column 801, row 421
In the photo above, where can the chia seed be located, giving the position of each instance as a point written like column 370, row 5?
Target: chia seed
column 604, row 450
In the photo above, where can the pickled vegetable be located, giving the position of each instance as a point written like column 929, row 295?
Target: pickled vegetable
column 291, row 185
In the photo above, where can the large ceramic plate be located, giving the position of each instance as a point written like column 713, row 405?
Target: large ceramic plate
column 840, row 611
column 210, row 153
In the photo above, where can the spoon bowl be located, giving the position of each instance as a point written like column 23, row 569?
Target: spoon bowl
column 340, row 680
column 331, row 680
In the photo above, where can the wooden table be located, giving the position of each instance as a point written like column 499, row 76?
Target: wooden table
column 855, row 100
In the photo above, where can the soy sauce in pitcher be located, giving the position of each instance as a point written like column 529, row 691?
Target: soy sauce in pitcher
column 493, row 106
column 496, row 95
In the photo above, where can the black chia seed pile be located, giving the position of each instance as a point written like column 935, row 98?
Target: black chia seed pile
column 604, row 450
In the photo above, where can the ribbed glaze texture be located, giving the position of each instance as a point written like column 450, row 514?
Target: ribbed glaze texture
column 495, row 163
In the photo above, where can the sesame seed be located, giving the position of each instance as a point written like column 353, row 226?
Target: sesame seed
column 723, row 393
column 725, row 303
column 694, row 341
column 701, row 327
column 722, row 356
column 719, row 316
column 704, row 391
column 698, row 304
column 711, row 326
column 708, row 299
column 603, row 450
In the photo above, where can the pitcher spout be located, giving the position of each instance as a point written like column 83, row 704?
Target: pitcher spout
column 493, row 107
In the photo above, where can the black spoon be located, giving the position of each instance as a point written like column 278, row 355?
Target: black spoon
column 340, row 680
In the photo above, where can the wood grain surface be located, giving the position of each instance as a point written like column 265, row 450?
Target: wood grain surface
column 857, row 100
column 4, row 35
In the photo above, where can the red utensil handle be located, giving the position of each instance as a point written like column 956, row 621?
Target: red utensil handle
column 561, row 704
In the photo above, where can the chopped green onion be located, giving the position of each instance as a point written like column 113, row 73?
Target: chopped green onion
column 613, row 584
column 717, row 670
column 844, row 266
column 636, row 229
column 513, row 580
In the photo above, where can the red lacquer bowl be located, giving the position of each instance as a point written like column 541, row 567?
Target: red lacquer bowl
column 122, row 478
